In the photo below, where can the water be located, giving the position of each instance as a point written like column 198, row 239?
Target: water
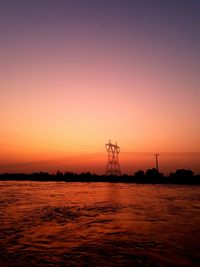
column 98, row 224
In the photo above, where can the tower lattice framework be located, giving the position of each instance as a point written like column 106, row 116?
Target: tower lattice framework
column 113, row 167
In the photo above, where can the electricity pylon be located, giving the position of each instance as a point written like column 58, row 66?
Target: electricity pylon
column 113, row 167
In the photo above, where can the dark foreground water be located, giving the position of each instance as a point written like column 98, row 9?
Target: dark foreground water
column 98, row 224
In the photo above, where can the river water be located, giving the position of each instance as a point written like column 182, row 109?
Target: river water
column 98, row 224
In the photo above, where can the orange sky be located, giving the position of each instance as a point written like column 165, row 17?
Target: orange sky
column 71, row 81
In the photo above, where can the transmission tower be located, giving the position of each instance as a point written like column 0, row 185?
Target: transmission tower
column 113, row 167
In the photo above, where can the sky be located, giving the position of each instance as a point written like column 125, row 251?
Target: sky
column 74, row 74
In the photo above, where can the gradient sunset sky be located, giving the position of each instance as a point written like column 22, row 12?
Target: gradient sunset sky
column 76, row 73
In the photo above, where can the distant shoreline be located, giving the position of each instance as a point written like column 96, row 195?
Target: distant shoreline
column 152, row 176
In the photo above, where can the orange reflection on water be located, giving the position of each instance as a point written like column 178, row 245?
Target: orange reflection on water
column 99, row 222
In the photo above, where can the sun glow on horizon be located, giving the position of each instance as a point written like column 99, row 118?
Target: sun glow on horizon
column 73, row 76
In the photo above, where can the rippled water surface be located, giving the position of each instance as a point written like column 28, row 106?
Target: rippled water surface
column 98, row 224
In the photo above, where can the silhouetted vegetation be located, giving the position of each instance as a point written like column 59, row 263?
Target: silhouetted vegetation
column 151, row 176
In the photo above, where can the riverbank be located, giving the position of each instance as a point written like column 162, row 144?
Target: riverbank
column 150, row 177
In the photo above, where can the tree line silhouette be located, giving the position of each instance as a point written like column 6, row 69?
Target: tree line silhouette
column 151, row 176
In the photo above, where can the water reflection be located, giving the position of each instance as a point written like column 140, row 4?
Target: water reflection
column 98, row 224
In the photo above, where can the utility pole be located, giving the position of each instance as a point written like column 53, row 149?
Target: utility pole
column 156, row 155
